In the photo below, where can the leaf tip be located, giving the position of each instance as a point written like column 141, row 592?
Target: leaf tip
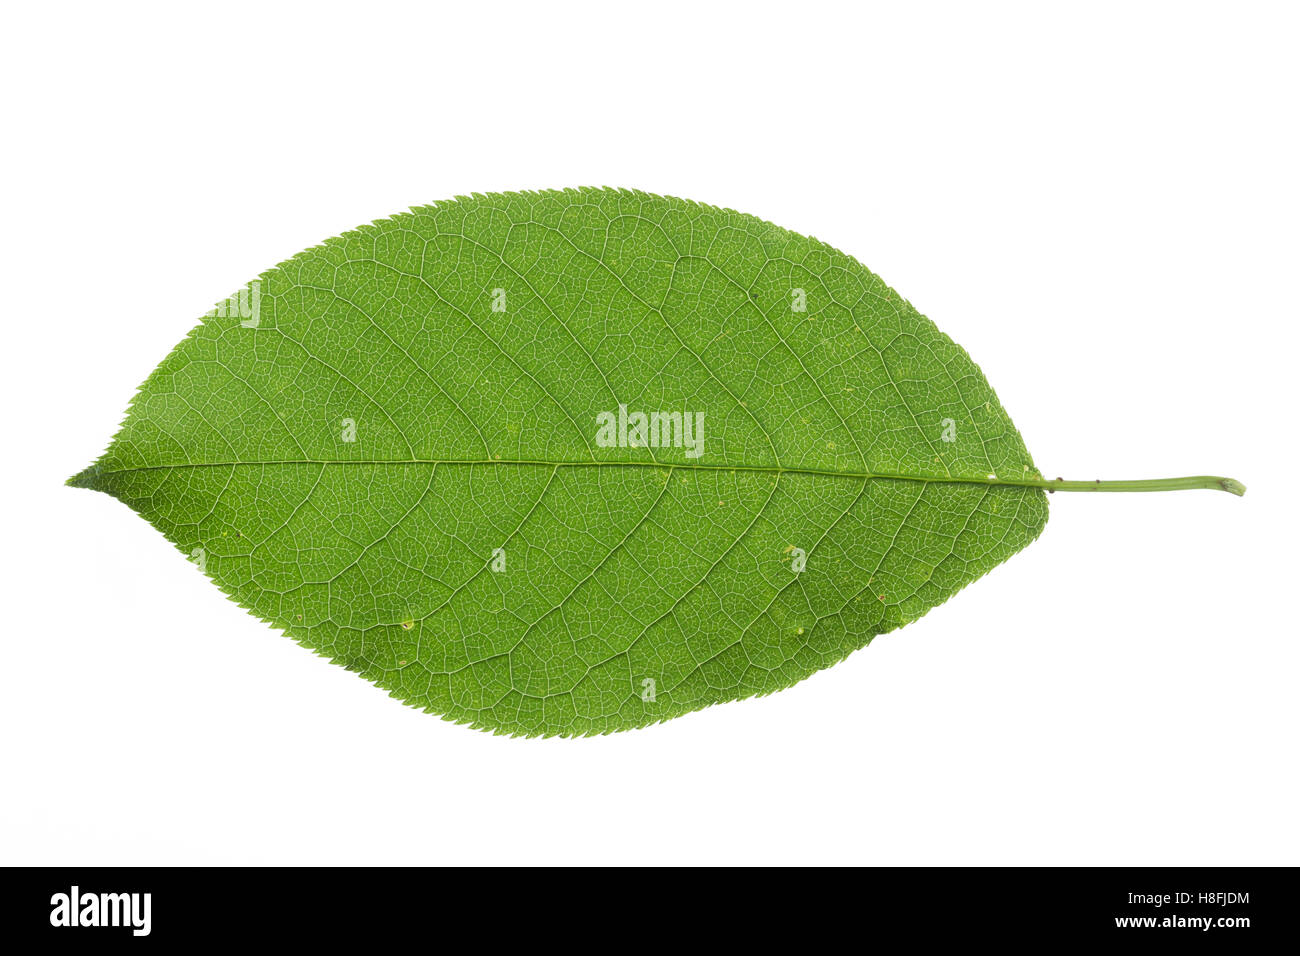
column 87, row 478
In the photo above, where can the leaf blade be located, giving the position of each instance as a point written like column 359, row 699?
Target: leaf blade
column 474, row 431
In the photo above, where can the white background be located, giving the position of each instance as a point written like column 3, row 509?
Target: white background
column 1098, row 201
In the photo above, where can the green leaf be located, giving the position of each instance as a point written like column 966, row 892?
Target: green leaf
column 416, row 448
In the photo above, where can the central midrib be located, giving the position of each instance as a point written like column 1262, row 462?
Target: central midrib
column 537, row 463
column 1207, row 482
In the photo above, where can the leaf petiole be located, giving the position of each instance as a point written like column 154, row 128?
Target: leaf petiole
column 1191, row 482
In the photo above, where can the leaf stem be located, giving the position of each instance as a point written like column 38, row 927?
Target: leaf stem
column 1210, row 482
